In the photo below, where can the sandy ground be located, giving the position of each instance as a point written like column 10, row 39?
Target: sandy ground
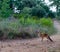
column 32, row 45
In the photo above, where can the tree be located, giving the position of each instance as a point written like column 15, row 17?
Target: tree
column 5, row 10
column 26, row 10
column 20, row 4
column 51, row 14
column 33, row 7
column 38, row 11
column 55, row 3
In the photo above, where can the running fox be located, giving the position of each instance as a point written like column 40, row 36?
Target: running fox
column 44, row 35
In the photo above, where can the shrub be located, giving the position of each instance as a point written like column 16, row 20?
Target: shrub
column 46, row 22
column 12, row 28
column 26, row 29
column 47, row 26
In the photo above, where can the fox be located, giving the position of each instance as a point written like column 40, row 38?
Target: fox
column 44, row 35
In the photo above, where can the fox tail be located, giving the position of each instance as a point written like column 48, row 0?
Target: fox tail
column 50, row 39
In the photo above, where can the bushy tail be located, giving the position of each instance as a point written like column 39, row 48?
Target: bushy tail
column 50, row 39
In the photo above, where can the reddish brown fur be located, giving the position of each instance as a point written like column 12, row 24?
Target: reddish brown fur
column 44, row 35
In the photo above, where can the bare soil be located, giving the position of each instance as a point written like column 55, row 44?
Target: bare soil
column 33, row 45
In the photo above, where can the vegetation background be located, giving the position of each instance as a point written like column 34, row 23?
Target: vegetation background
column 22, row 18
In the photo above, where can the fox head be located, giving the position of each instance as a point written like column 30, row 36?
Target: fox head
column 38, row 32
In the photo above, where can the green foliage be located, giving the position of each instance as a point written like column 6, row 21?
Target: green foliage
column 34, row 8
column 5, row 10
column 21, row 15
column 25, row 3
column 11, row 35
column 30, row 7
column 5, row 13
column 38, row 11
column 26, row 10
column 30, row 21
column 27, row 21
column 47, row 26
column 51, row 14
column 46, row 22
column 16, row 15
column 0, row 4
column 46, row 8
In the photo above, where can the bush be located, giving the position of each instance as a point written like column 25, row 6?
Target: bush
column 46, row 22
column 19, row 28
column 12, row 29
column 47, row 26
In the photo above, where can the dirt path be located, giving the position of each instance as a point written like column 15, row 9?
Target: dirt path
column 57, row 25
column 32, row 45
